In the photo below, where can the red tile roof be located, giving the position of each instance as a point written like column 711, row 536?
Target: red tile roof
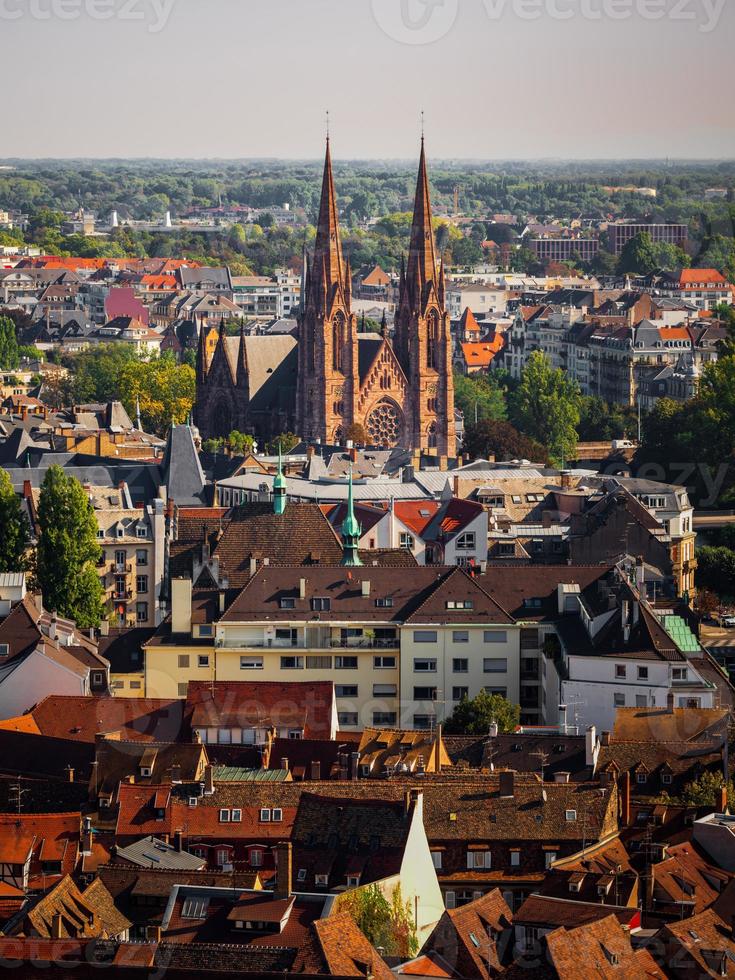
column 80, row 718
column 306, row 705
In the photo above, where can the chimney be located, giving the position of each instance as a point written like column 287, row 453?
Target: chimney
column 70, row 773
column 410, row 797
column 353, row 454
column 302, row 588
column 284, row 763
column 721, row 799
column 625, row 799
column 354, row 765
column 221, row 601
column 181, row 606
column 561, row 777
column 52, row 626
column 366, row 587
column 253, row 566
column 284, row 861
column 209, row 780
column 56, row 926
column 455, row 486
column 179, row 841
column 567, row 481
column 507, row 784
column 493, row 730
column 563, row 719
column 591, row 748
column 316, row 770
column 604, row 738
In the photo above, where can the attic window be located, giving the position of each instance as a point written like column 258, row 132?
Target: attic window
column 287, row 603
column 321, row 604
column 321, row 879
column 459, row 604
column 301, row 874
column 475, row 940
column 195, row 908
column 570, row 815
column 386, row 603
column 4, row 649
column 141, row 532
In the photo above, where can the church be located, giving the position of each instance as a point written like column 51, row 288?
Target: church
column 329, row 381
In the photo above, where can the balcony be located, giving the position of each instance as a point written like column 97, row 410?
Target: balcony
column 353, row 643
column 123, row 595
column 120, row 569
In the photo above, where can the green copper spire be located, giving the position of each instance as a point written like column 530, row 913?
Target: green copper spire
column 279, row 487
column 350, row 532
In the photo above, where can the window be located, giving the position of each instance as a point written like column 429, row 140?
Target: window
column 141, row 583
column 570, row 815
column 345, row 663
column 466, row 541
column 679, row 673
column 321, row 604
column 407, row 541
column 203, row 660
column 424, row 666
column 620, row 671
column 287, row 603
column 277, row 815
column 183, row 660
column 141, row 532
column 450, row 900
column 353, row 881
column 182, row 689
column 550, row 858
column 347, row 719
column 301, row 874
column 195, row 908
column 494, row 636
column 384, row 717
column 321, row 879
column 256, row 857
column 460, row 636
column 460, row 693
column 206, row 631
column 251, row 663
column 479, row 859
column 500, row 691
column 265, row 815
column 141, row 556
column 286, row 637
column 459, row 604
column 345, row 690
column 141, row 612
column 619, row 699
column 318, row 663
column 436, row 859
column 515, row 859
column 120, row 557
column 666, row 778
column 224, row 736
column 495, row 665
column 643, row 673
column 424, row 694
column 384, row 690
column 422, row 723
column 384, row 663
column 460, row 665
column 292, row 663
column 424, row 636
column 386, row 603
column 224, row 816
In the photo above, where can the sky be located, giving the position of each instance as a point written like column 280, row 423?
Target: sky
column 496, row 79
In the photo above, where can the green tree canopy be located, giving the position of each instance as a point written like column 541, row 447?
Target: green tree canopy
column 386, row 924
column 286, row 440
column 14, row 535
column 703, row 790
column 9, row 356
column 716, row 571
column 479, row 395
column 164, row 389
column 639, row 256
column 546, row 407
column 475, row 717
column 501, row 440
column 68, row 550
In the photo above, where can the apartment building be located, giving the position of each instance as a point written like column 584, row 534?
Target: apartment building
column 621, row 232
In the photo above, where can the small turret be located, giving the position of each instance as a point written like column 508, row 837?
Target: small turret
column 279, row 487
column 350, row 532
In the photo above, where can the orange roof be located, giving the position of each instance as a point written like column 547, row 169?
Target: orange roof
column 23, row 723
column 691, row 277
column 416, row 514
column 674, row 333
column 468, row 321
column 57, row 835
column 481, row 354
column 376, row 277
column 424, row 966
column 158, row 282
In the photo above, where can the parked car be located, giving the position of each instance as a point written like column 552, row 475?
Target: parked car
column 728, row 622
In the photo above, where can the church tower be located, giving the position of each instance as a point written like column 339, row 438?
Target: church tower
column 423, row 340
column 327, row 351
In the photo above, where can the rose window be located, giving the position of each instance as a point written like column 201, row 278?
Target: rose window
column 384, row 425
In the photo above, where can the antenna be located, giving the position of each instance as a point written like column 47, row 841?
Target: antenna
column 16, row 795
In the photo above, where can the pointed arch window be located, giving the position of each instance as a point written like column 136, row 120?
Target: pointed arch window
column 432, row 339
column 431, row 436
column 338, row 342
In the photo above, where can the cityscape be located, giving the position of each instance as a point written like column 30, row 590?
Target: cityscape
column 367, row 490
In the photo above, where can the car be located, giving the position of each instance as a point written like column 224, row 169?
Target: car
column 728, row 622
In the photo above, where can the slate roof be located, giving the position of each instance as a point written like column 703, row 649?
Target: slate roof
column 181, row 470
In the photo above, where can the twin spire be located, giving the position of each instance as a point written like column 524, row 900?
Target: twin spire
column 329, row 268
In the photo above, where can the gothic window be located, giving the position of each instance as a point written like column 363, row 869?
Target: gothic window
column 338, row 435
column 431, row 436
column 338, row 342
column 384, row 424
column 432, row 339
column 431, row 405
column 338, row 408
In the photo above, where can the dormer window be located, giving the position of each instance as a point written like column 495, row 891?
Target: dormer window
column 321, row 604
column 287, row 603
column 322, row 880
column 466, row 541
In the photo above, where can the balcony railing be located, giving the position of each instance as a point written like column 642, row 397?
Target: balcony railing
column 122, row 568
column 328, row 644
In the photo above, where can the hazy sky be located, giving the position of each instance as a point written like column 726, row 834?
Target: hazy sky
column 244, row 78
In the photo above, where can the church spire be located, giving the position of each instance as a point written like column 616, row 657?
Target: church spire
column 350, row 532
column 328, row 248
column 421, row 254
column 279, row 487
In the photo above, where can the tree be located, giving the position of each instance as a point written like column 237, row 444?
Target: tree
column 600, row 421
column 716, row 571
column 286, row 441
column 389, row 926
column 68, row 551
column 165, row 390
column 639, row 256
column 95, row 374
column 240, row 443
column 14, row 537
column 501, row 440
column 475, row 717
column 357, row 434
column 703, row 790
column 546, row 407
column 9, row 356
column 479, row 395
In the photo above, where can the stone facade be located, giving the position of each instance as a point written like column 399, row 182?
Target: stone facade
column 332, row 382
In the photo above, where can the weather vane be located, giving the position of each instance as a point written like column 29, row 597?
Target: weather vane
column 327, row 123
